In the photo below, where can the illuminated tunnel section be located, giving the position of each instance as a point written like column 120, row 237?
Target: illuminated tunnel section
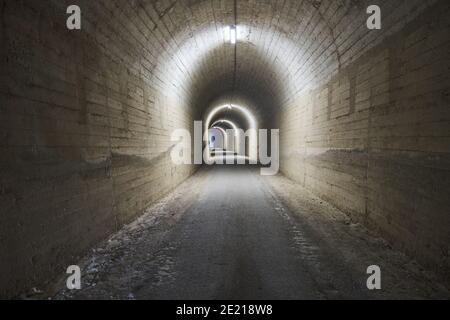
column 245, row 129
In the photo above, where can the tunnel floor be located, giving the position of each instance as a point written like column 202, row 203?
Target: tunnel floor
column 229, row 233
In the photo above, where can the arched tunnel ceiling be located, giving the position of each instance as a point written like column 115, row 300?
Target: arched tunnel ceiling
column 283, row 47
column 269, row 62
column 235, row 103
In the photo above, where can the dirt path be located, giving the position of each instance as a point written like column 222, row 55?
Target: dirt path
column 228, row 233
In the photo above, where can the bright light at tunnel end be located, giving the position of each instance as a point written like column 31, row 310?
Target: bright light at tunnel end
column 258, row 151
column 252, row 124
column 181, row 153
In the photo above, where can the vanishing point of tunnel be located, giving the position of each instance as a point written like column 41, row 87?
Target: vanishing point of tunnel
column 225, row 149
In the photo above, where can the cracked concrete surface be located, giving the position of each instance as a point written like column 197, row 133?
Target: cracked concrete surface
column 228, row 233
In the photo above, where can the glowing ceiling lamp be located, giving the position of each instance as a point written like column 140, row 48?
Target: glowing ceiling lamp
column 233, row 34
column 230, row 34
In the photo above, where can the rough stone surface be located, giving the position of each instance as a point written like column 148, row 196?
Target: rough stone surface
column 374, row 140
column 86, row 116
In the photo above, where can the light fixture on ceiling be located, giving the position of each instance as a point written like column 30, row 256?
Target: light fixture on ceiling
column 231, row 34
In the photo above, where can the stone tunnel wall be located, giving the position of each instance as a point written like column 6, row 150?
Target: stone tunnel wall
column 85, row 135
column 375, row 139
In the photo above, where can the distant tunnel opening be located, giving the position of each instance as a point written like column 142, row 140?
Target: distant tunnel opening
column 241, row 129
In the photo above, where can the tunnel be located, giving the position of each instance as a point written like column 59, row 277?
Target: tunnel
column 356, row 116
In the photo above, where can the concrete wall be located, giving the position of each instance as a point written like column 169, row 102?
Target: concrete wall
column 85, row 135
column 375, row 139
